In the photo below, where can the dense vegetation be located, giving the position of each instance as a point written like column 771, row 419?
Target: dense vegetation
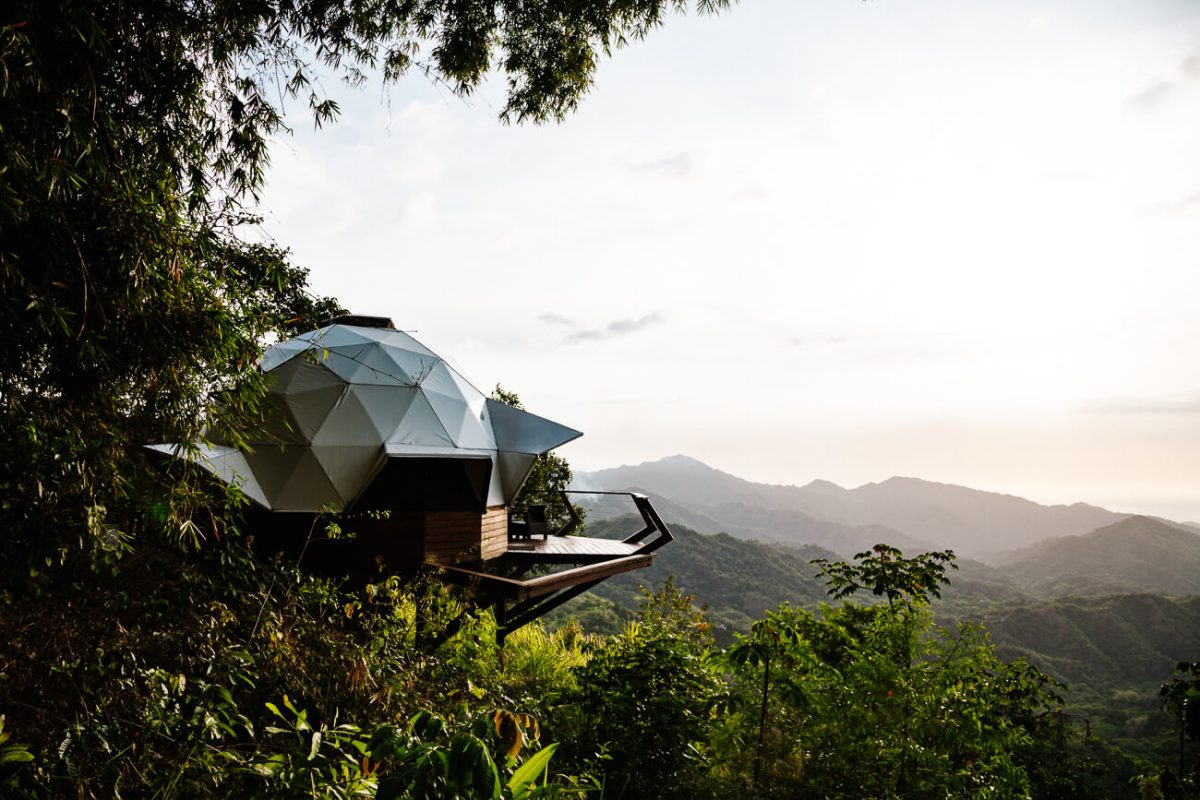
column 244, row 676
column 1113, row 652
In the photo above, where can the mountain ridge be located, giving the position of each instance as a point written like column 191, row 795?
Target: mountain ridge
column 979, row 523
column 1136, row 554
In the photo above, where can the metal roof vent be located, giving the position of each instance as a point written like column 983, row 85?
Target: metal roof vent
column 362, row 321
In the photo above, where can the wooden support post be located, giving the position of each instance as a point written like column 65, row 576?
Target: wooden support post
column 500, row 610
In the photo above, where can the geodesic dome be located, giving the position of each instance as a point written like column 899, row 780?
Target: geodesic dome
column 358, row 410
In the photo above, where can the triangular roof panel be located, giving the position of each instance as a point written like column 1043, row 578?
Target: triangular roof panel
column 385, row 406
column 519, row 431
column 421, row 426
column 307, row 487
column 349, row 467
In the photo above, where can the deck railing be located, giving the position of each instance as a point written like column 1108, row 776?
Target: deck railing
column 653, row 524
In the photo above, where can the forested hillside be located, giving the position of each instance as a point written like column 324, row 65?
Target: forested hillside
column 1138, row 554
column 738, row 580
column 1113, row 651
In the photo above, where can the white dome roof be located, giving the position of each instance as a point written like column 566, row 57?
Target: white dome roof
column 347, row 398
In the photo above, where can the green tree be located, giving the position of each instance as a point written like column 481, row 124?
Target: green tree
column 907, row 583
column 885, row 572
column 876, row 700
column 133, row 138
column 776, row 646
column 1181, row 696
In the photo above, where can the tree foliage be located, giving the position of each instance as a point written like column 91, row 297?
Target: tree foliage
column 247, row 677
column 1181, row 697
column 644, row 705
column 132, row 313
column 244, row 677
column 822, row 706
column 885, row 572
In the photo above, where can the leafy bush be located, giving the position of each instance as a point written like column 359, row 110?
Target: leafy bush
column 643, row 708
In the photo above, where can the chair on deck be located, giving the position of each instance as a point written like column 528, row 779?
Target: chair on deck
column 535, row 521
column 518, row 525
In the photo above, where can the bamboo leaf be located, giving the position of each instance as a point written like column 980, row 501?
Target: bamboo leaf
column 525, row 775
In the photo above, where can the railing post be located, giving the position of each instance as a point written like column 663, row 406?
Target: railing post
column 653, row 522
column 650, row 518
column 574, row 522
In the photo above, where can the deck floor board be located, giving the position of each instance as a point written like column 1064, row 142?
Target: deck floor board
column 582, row 547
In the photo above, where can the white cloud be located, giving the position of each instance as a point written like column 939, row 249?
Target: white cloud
column 616, row 328
column 679, row 165
column 552, row 318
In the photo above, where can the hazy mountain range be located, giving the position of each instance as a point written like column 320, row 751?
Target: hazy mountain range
column 740, row 579
column 907, row 512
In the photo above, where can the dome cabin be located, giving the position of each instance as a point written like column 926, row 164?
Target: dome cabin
column 365, row 422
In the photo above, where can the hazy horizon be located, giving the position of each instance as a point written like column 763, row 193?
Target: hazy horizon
column 1042, row 495
column 834, row 239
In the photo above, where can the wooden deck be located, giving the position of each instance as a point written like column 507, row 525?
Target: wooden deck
column 569, row 549
column 516, row 601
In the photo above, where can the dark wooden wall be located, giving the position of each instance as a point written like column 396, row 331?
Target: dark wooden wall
column 452, row 537
column 400, row 542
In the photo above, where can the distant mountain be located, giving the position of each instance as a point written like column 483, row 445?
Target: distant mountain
column 976, row 585
column 791, row 526
column 683, row 479
column 776, row 525
column 1137, row 554
column 673, row 513
column 972, row 522
column 1097, row 644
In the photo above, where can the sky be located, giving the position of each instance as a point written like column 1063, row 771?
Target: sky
column 808, row 239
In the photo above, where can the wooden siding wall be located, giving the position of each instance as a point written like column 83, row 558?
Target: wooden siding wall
column 452, row 537
column 495, row 533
